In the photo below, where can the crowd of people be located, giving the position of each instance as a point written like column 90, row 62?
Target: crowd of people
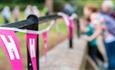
column 100, row 22
column 7, row 13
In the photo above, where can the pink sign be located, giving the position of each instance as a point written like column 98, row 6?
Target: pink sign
column 44, row 35
column 69, row 21
column 31, row 44
column 71, row 28
column 10, row 44
column 65, row 17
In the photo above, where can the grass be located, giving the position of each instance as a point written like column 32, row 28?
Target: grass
column 55, row 35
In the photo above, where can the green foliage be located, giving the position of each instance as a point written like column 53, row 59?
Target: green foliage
column 22, row 6
column 21, row 1
column 58, row 5
column 79, row 4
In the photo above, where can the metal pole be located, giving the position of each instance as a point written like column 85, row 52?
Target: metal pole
column 32, row 23
column 33, row 27
column 71, row 38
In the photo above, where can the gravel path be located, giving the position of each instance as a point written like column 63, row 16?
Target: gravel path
column 63, row 58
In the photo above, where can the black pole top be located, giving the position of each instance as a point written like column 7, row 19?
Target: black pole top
column 31, row 20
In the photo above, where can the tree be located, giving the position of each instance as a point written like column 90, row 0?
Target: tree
column 49, row 4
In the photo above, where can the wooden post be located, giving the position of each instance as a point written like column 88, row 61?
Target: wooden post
column 49, row 4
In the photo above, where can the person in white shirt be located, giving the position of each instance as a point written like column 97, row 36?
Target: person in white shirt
column 6, row 14
column 28, row 11
column 35, row 11
column 16, row 13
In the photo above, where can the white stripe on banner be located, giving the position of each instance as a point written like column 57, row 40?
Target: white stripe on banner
column 10, row 44
column 29, row 31
column 31, row 45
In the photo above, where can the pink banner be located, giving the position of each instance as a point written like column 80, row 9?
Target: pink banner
column 69, row 21
column 71, row 28
column 44, row 35
column 65, row 18
column 10, row 44
column 31, row 44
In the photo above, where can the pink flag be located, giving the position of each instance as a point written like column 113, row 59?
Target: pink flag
column 44, row 35
column 71, row 28
column 31, row 44
column 10, row 44
column 69, row 21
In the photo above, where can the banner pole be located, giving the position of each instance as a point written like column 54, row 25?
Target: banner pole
column 33, row 27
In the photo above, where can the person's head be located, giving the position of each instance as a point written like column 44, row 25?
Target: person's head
column 6, row 9
column 35, row 7
column 107, row 6
column 85, row 21
column 29, row 7
column 93, row 16
column 16, row 8
column 89, row 9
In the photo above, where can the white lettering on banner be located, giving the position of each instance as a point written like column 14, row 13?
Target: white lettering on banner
column 11, row 47
column 32, row 47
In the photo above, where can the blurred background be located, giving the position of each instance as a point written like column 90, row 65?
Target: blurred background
column 53, row 5
column 17, row 10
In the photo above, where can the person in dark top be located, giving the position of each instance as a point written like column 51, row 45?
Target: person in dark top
column 93, row 51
